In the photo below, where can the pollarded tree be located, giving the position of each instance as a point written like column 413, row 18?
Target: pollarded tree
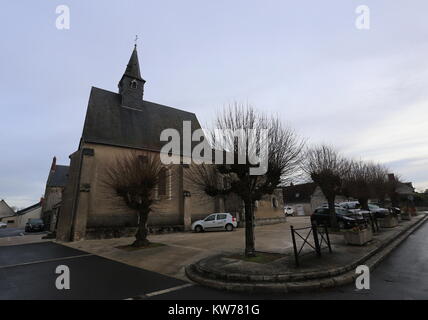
column 327, row 168
column 259, row 152
column 134, row 179
column 359, row 181
column 379, row 184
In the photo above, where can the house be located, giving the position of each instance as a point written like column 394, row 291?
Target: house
column 6, row 212
column 305, row 198
column 20, row 218
column 403, row 191
column 117, row 124
column 56, row 182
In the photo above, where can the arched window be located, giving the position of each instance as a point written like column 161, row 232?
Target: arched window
column 134, row 84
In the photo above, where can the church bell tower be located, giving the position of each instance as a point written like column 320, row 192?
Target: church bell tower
column 131, row 86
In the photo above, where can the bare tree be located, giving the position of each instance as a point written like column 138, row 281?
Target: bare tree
column 394, row 181
column 134, row 179
column 327, row 168
column 283, row 156
column 379, row 183
column 359, row 181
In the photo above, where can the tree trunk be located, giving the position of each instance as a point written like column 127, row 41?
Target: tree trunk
column 382, row 201
column 364, row 203
column 332, row 213
column 141, row 235
column 394, row 199
column 249, row 229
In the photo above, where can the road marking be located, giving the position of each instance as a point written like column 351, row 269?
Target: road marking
column 157, row 293
column 47, row 260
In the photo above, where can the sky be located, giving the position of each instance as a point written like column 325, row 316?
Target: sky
column 363, row 91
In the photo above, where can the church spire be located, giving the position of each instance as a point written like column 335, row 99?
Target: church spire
column 133, row 67
column 131, row 85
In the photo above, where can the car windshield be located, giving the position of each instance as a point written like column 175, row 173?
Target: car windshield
column 341, row 211
column 373, row 206
column 35, row 220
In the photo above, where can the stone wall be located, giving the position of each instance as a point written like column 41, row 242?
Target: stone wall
column 91, row 206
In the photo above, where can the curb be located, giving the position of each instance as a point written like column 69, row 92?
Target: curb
column 300, row 282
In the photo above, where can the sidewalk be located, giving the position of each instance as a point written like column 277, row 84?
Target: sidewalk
column 29, row 238
column 184, row 248
column 225, row 271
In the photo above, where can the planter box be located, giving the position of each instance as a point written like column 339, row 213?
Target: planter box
column 358, row 238
column 388, row 222
column 405, row 216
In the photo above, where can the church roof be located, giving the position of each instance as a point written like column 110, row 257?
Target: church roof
column 108, row 122
column 58, row 177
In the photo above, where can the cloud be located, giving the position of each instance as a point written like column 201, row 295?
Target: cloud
column 400, row 141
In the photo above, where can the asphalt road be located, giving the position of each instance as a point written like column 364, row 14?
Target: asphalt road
column 403, row 275
column 14, row 232
column 28, row 272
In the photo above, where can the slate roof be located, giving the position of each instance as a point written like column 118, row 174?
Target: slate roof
column 405, row 188
column 24, row 211
column 298, row 193
column 133, row 67
column 58, row 178
column 107, row 122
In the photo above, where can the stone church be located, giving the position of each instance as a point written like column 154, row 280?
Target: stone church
column 117, row 124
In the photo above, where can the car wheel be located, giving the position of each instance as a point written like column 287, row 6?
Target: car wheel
column 229, row 227
column 199, row 229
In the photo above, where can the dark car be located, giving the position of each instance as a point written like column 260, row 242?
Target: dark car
column 345, row 219
column 34, row 225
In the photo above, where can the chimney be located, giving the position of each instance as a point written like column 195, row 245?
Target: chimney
column 53, row 166
column 391, row 177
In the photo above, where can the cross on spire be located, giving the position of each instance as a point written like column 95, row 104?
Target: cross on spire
column 136, row 39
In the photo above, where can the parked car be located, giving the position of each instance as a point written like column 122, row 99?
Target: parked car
column 355, row 207
column 377, row 211
column 288, row 211
column 350, row 205
column 325, row 205
column 345, row 219
column 216, row 221
column 3, row 225
column 34, row 225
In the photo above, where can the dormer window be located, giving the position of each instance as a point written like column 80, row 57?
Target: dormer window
column 134, row 84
